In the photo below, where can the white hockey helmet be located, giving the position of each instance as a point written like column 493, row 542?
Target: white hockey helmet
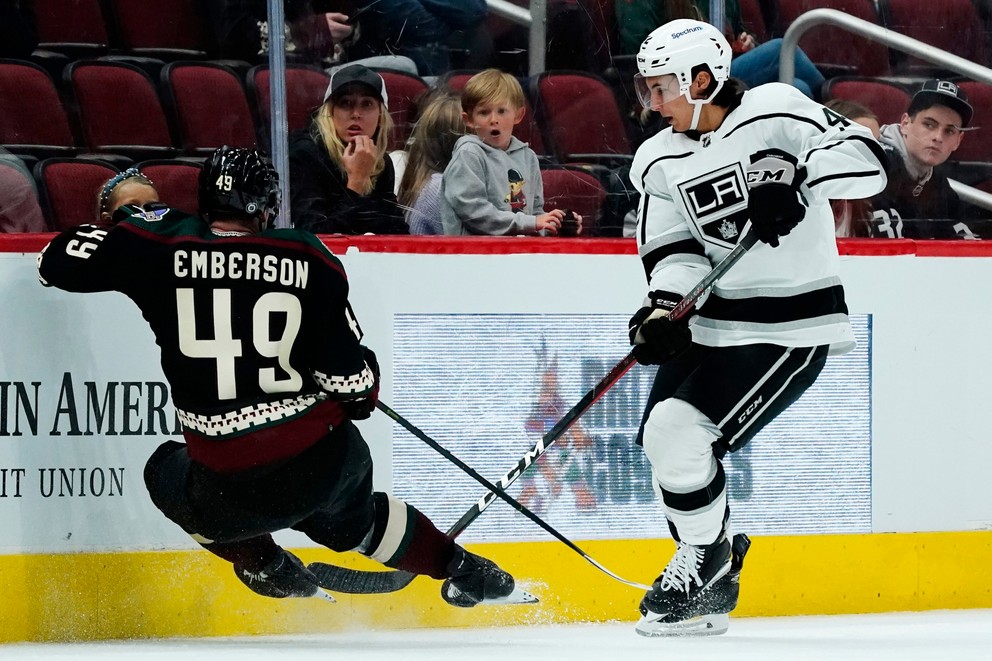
column 675, row 49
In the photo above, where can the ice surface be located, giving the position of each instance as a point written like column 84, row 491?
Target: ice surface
column 929, row 636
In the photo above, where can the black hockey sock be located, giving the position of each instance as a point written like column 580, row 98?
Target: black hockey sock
column 252, row 554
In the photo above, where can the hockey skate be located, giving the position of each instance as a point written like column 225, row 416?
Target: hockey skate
column 697, row 590
column 284, row 577
column 476, row 580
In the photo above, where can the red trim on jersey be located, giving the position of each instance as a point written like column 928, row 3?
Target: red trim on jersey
column 498, row 245
column 269, row 445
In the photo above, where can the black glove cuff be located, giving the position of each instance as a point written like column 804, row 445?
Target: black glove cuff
column 664, row 300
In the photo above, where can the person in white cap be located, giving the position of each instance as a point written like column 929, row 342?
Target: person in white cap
column 765, row 161
column 930, row 130
column 341, row 180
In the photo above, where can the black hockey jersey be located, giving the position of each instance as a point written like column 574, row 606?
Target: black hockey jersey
column 694, row 208
column 257, row 339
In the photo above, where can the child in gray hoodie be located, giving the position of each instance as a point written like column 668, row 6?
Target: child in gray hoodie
column 493, row 183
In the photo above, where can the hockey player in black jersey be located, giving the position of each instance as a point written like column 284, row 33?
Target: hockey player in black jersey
column 267, row 372
column 767, row 161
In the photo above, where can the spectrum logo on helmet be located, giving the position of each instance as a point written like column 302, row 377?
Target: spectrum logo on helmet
column 686, row 31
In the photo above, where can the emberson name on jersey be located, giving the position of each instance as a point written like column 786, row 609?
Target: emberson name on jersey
column 197, row 264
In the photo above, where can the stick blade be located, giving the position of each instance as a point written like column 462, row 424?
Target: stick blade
column 354, row 581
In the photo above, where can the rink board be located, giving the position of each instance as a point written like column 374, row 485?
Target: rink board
column 872, row 494
column 189, row 593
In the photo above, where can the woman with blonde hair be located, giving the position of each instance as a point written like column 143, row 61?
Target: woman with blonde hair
column 433, row 139
column 341, row 181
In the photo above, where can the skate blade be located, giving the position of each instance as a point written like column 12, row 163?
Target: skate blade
column 324, row 596
column 518, row 596
column 704, row 625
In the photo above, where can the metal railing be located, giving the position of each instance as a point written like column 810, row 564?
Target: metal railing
column 900, row 42
column 536, row 19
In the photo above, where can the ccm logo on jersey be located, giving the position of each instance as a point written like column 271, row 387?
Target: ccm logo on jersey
column 752, row 407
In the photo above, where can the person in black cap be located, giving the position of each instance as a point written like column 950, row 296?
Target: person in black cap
column 931, row 129
column 341, row 179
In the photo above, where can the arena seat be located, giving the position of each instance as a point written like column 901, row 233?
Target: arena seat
column 977, row 145
column 166, row 29
column 580, row 118
column 69, row 187
column 77, row 29
column 305, row 87
column 209, row 106
column 176, row 181
column 950, row 25
column 404, row 89
column 567, row 188
column 19, row 207
column 837, row 51
column 888, row 100
column 34, row 121
column 119, row 109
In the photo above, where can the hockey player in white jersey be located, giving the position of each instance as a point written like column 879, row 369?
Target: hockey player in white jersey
column 768, row 161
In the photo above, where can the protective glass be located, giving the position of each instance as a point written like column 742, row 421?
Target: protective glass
column 662, row 89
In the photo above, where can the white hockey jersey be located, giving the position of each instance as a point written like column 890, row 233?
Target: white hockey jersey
column 693, row 209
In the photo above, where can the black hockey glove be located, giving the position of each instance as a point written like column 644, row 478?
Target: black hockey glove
column 774, row 205
column 361, row 408
column 656, row 338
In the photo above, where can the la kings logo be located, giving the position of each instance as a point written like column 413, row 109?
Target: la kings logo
column 717, row 203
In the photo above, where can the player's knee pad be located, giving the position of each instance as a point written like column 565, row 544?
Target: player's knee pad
column 678, row 440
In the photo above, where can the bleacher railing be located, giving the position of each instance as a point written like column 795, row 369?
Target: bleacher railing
column 892, row 39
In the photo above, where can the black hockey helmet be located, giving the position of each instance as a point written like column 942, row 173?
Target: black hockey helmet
column 241, row 184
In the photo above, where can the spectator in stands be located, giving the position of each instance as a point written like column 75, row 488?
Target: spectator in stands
column 852, row 217
column 127, row 187
column 19, row 210
column 423, row 30
column 341, row 180
column 930, row 130
column 241, row 30
column 493, row 183
column 431, row 145
column 753, row 63
column 18, row 29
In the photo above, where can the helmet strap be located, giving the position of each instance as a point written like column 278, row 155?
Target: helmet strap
column 697, row 104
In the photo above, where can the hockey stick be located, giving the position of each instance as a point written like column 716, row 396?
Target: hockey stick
column 354, row 581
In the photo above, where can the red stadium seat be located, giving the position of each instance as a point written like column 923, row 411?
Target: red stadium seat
column 33, row 120
column 209, row 105
column 576, row 190
column 833, row 49
column 167, row 29
column 404, row 89
column 119, row 109
column 177, row 182
column 69, row 189
column 580, row 117
column 950, row 25
column 75, row 28
column 887, row 100
column 19, row 208
column 976, row 146
column 305, row 87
